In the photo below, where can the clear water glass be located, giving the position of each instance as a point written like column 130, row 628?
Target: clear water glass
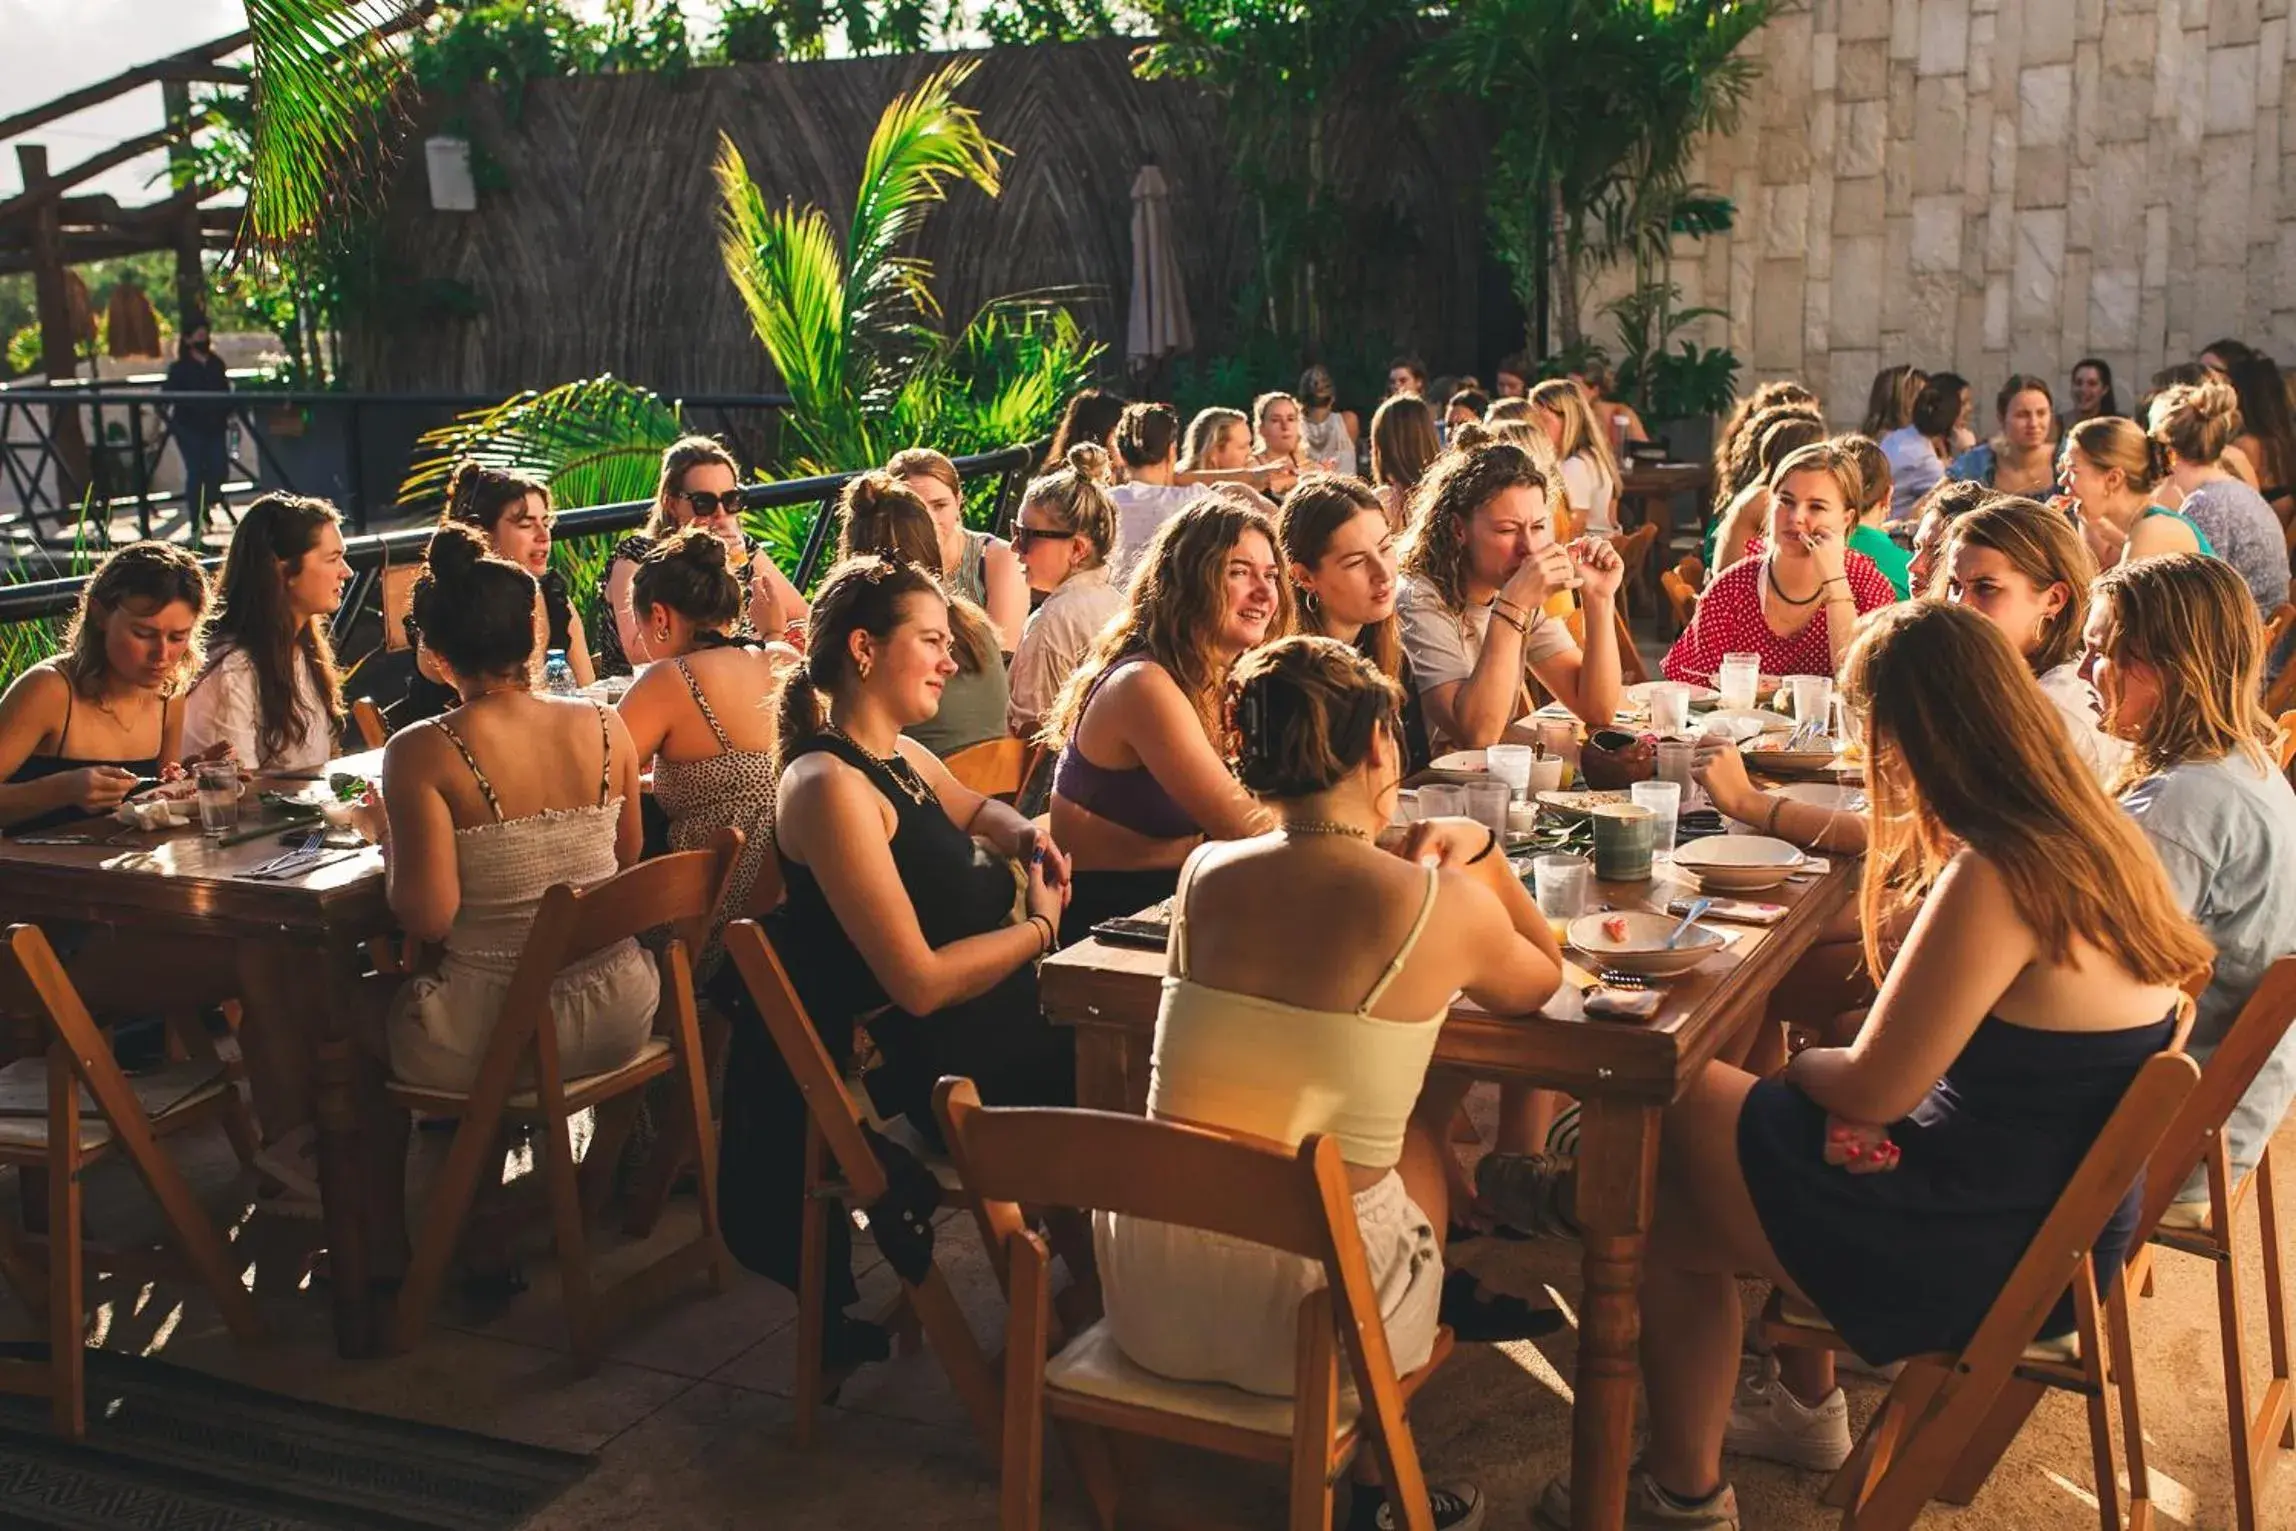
column 1487, row 803
column 1739, row 680
column 1510, row 763
column 1674, row 759
column 1442, row 800
column 218, row 784
column 1669, row 709
column 1813, row 700
column 1559, row 883
column 1664, row 800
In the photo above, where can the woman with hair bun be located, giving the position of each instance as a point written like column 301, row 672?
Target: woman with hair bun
column 512, row 512
column 2110, row 469
column 1064, row 533
column 1250, row 1039
column 878, row 514
column 270, row 690
column 1148, row 440
column 694, row 711
column 895, row 912
column 2195, row 422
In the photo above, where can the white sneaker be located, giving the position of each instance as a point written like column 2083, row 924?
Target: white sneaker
column 1768, row 1421
column 1647, row 1509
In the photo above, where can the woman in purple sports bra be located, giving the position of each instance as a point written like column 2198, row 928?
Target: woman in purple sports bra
column 1140, row 781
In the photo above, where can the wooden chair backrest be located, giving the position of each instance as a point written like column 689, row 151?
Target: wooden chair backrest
column 1634, row 547
column 398, row 598
column 2287, row 747
column 1681, row 599
column 2247, row 1045
column 2276, row 625
column 993, row 767
column 33, row 983
column 367, row 718
column 1692, row 571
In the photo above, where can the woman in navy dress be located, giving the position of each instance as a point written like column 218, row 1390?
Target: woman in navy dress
column 2042, row 969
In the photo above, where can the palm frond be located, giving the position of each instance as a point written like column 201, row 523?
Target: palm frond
column 785, row 265
column 924, row 139
column 327, row 80
column 596, row 442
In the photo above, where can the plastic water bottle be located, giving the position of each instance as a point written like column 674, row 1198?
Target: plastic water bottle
column 558, row 675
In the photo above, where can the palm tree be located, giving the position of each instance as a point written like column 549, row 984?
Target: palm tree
column 848, row 325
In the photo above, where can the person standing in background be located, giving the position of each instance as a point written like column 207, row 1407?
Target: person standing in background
column 202, row 426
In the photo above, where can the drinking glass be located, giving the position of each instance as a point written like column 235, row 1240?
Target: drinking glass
column 1442, row 800
column 1487, row 802
column 1669, row 709
column 1560, row 883
column 1739, row 680
column 1664, row 800
column 1813, row 700
column 1674, row 758
column 1545, row 775
column 1559, row 736
column 1407, row 809
column 218, row 783
column 1510, row 763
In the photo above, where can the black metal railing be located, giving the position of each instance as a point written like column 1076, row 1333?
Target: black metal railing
column 311, row 441
column 371, row 553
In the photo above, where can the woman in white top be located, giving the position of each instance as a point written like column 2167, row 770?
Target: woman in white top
column 270, row 689
column 1327, row 433
column 1148, row 439
column 1589, row 469
column 1066, row 526
column 1276, row 439
column 2025, row 567
column 1251, row 1040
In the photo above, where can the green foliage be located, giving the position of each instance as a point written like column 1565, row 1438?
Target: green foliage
column 1664, row 384
column 325, row 97
column 597, row 442
column 1026, row 22
column 24, row 644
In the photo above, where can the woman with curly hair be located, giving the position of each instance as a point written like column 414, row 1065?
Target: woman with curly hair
column 1141, row 778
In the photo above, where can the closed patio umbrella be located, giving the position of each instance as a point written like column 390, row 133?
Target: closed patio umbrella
column 1159, row 322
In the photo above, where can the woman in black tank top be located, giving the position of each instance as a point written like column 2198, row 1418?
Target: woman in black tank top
column 898, row 918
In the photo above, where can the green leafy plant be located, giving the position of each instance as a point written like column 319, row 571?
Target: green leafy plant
column 1668, row 384
column 327, row 75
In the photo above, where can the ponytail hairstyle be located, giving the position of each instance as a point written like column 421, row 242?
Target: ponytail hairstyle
column 2196, row 421
column 1317, row 507
column 1937, row 407
column 1582, row 435
column 879, row 514
column 477, row 495
column 1089, row 420
column 1204, row 433
column 690, row 571
column 1077, row 498
column 251, row 616
column 866, row 594
column 1146, row 434
column 146, row 575
column 476, row 611
column 2042, row 545
column 2110, row 441
column 1873, row 471
column 1302, row 712
column 679, row 458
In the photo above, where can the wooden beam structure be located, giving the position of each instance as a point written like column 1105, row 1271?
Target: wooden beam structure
column 191, row 64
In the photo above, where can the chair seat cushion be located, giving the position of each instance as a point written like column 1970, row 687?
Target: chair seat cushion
column 1094, row 1366
column 2186, row 1216
column 162, row 1092
column 2061, row 1350
column 527, row 1099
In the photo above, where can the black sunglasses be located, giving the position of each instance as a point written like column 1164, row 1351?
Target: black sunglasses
column 708, row 504
column 1023, row 536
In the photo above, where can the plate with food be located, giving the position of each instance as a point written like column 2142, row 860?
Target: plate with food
column 1739, row 863
column 1634, row 941
column 1579, row 805
column 1738, row 724
column 170, row 805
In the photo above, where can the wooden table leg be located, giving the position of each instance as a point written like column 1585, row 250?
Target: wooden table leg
column 314, row 990
column 1618, row 1164
column 1112, row 1069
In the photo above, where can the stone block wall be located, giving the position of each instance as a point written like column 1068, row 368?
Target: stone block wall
column 2004, row 185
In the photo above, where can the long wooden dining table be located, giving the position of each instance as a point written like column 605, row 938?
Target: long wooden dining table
column 300, row 944
column 1623, row 1074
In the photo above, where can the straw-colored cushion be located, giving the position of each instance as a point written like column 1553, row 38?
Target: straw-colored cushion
column 1093, row 1365
column 161, row 1092
column 526, row 1099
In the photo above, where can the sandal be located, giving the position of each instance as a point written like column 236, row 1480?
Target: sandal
column 1492, row 1317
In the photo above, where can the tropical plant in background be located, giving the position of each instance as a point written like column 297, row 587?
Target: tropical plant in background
column 849, row 324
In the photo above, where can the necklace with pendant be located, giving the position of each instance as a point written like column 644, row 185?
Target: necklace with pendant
column 899, row 771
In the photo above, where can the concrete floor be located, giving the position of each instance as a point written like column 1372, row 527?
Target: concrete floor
column 691, row 1412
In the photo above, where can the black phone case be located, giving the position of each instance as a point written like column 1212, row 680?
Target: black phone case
column 1149, row 935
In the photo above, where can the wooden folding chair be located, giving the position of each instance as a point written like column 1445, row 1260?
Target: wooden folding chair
column 66, row 1139
column 843, row 1169
column 1634, row 551
column 367, row 718
column 2287, row 748
column 1947, row 1411
column 1298, row 1202
column 679, row 890
column 994, row 767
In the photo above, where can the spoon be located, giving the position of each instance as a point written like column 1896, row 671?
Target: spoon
column 1698, row 906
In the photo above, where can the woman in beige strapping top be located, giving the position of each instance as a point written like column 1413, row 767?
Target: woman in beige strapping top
column 1254, row 1040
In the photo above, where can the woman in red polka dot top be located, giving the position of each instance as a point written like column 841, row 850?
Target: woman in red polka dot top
column 1798, row 602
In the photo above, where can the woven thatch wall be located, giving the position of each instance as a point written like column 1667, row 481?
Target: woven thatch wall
column 600, row 252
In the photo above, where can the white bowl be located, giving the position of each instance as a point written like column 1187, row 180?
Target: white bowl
column 1739, row 863
column 1638, row 694
column 1644, row 948
column 1738, row 724
column 1460, row 763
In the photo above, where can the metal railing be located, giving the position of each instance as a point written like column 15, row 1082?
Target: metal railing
column 125, row 431
column 371, row 553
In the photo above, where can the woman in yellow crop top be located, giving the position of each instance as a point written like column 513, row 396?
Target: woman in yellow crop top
column 1252, row 1039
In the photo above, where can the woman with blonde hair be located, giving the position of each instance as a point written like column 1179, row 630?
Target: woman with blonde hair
column 2195, row 422
column 878, row 514
column 1403, row 446
column 2023, row 565
column 980, row 567
column 2043, row 967
column 1889, row 403
column 1589, row 469
column 1479, row 563
column 700, row 484
column 1796, row 605
column 2179, row 655
column 1777, row 436
column 1140, row 778
column 1218, row 440
column 1064, row 531
column 1277, row 440
column 2110, row 470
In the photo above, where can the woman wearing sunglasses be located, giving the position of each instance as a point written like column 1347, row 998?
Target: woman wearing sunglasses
column 700, row 486
column 1066, row 527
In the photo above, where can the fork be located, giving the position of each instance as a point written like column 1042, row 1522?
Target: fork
column 305, row 849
